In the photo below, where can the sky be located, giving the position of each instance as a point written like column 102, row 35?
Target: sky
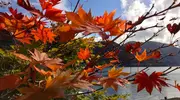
column 126, row 9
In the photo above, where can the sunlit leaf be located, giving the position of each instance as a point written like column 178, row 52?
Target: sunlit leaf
column 83, row 54
column 57, row 14
column 26, row 5
column 115, row 73
column 43, row 34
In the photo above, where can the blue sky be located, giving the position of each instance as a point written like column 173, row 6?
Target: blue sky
column 97, row 6
column 127, row 9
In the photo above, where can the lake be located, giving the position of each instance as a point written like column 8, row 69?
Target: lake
column 169, row 92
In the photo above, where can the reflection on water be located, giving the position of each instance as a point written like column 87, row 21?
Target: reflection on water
column 156, row 95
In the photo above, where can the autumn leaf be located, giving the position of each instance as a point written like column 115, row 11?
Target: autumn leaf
column 57, row 14
column 43, row 34
column 84, row 76
column 26, row 5
column 101, row 67
column 83, row 22
column 148, row 82
column 83, row 54
column 111, row 54
column 33, row 93
column 114, row 26
column 89, row 70
column 115, row 73
column 43, row 59
column 9, row 82
column 142, row 57
column 133, row 48
column 16, row 21
column 42, row 72
column 48, row 4
column 54, row 88
column 106, row 19
column 113, row 82
column 82, row 84
column 177, row 86
column 21, row 56
column 23, row 37
column 65, row 33
column 60, row 80
column 113, row 79
column 63, row 80
column 156, row 54
column 16, row 15
column 173, row 29
column 84, row 16
column 2, row 26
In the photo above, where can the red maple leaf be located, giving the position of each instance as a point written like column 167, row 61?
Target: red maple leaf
column 148, row 82
column 26, row 5
column 9, row 82
column 133, row 48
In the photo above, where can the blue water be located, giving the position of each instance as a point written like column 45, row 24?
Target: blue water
column 169, row 92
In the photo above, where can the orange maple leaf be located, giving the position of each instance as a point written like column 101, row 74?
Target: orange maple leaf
column 113, row 79
column 42, row 72
column 23, row 36
column 89, row 70
column 177, row 86
column 45, row 4
column 142, row 57
column 57, row 14
column 43, row 34
column 113, row 82
column 101, row 67
column 65, row 32
column 83, row 54
column 115, row 73
column 114, row 26
column 83, row 22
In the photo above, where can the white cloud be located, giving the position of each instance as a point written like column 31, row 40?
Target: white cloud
column 136, row 8
column 123, row 3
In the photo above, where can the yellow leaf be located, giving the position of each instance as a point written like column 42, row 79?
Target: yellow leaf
column 48, row 81
column 115, row 73
column 142, row 56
